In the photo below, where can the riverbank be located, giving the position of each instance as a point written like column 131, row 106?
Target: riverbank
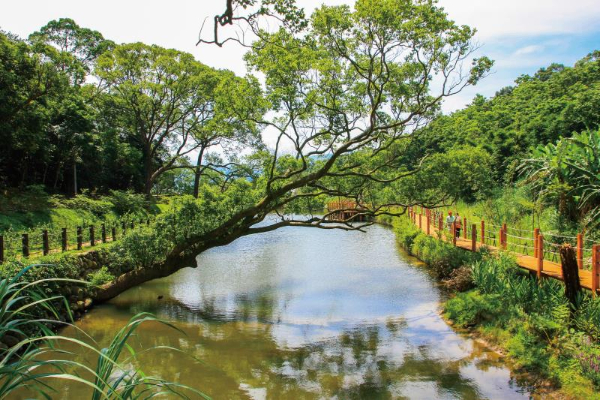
column 269, row 314
column 530, row 322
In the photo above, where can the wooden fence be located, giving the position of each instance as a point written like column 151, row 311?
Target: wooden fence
column 535, row 250
column 345, row 211
column 42, row 242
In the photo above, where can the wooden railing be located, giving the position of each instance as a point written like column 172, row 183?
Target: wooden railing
column 535, row 250
column 345, row 210
column 41, row 242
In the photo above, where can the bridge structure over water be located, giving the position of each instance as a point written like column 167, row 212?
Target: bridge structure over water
column 344, row 210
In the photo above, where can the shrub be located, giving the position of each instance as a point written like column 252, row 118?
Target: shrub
column 460, row 280
column 471, row 308
column 98, row 207
column 528, row 351
column 128, row 202
column 406, row 233
column 100, row 277
column 587, row 317
column 141, row 248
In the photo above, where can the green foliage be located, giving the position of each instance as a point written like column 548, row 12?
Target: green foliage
column 100, row 277
column 538, row 110
column 442, row 257
column 459, row 173
column 31, row 357
column 127, row 202
column 472, row 308
column 141, row 248
column 98, row 207
column 534, row 322
column 566, row 175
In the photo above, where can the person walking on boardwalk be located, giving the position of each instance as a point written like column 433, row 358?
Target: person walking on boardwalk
column 449, row 221
column 458, row 224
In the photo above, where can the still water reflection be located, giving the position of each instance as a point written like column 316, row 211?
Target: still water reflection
column 301, row 313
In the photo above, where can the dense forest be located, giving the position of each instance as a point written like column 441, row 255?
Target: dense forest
column 78, row 111
column 554, row 103
column 535, row 142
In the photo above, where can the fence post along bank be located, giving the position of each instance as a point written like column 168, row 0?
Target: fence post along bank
column 535, row 251
column 34, row 243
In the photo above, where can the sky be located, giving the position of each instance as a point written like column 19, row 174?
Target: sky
column 520, row 35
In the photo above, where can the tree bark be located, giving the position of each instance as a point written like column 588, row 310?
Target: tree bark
column 570, row 272
column 147, row 171
column 74, row 177
column 139, row 276
column 198, row 172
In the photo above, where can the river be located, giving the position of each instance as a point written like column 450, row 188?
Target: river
column 304, row 313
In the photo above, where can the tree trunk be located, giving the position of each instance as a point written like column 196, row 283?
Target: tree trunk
column 198, row 173
column 148, row 185
column 139, row 276
column 570, row 272
column 74, row 177
column 58, row 169
column 181, row 256
column 147, row 171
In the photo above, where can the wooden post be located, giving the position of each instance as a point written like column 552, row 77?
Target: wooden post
column 103, row 233
column 441, row 223
column 92, row 236
column 25, row 242
column 504, row 236
column 420, row 224
column 540, row 259
column 580, row 250
column 64, row 239
column 465, row 228
column 79, row 238
column 570, row 273
column 1, row 249
column 501, row 239
column 474, row 237
column 595, row 269
column 454, row 233
column 428, row 221
column 114, row 233
column 45, row 244
column 482, row 232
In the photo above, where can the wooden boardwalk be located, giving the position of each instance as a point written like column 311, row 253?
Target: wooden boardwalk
column 533, row 264
column 343, row 210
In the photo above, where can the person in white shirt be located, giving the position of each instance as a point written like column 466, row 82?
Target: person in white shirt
column 449, row 221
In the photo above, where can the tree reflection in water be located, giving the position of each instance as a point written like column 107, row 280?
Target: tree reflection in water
column 268, row 317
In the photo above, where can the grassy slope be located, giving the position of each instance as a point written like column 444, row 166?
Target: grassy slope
column 54, row 217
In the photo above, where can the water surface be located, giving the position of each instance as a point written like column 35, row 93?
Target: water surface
column 304, row 313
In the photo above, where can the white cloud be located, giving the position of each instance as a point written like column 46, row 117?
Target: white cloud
column 494, row 18
column 527, row 50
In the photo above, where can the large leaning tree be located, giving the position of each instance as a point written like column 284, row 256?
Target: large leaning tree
column 345, row 92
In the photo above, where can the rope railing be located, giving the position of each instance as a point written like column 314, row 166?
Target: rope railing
column 511, row 239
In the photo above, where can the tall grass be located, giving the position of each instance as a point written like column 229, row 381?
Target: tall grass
column 534, row 322
column 33, row 358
